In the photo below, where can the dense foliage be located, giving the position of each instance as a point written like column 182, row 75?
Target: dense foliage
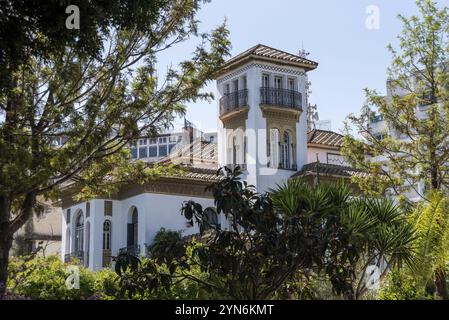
column 45, row 279
column 277, row 243
column 72, row 100
column 412, row 150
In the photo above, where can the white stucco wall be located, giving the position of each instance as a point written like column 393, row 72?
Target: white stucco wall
column 257, row 172
column 155, row 211
column 321, row 153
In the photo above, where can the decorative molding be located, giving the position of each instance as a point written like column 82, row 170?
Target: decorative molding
column 284, row 120
column 235, row 73
column 279, row 69
column 261, row 66
column 167, row 186
column 236, row 119
column 280, row 113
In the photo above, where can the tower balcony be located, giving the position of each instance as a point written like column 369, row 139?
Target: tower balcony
column 283, row 98
column 233, row 102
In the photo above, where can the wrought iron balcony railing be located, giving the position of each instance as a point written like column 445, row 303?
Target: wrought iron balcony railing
column 131, row 250
column 293, row 167
column 77, row 254
column 232, row 101
column 243, row 166
column 376, row 118
column 281, row 98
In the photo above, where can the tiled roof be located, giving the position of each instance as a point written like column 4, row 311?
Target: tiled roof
column 202, row 166
column 324, row 137
column 201, row 154
column 266, row 52
column 200, row 174
column 329, row 170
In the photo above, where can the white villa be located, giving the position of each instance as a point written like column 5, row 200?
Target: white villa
column 262, row 126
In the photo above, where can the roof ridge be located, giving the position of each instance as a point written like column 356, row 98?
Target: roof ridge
column 324, row 164
column 283, row 51
column 323, row 130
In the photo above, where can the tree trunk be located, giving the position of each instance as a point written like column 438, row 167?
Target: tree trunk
column 5, row 246
column 440, row 283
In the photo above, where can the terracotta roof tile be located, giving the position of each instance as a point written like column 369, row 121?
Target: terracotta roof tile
column 199, row 174
column 325, row 137
column 267, row 52
column 198, row 151
column 329, row 170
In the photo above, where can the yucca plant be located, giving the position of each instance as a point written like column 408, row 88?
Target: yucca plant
column 359, row 232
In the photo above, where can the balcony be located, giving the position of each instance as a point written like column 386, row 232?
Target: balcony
column 130, row 250
column 77, row 255
column 292, row 167
column 233, row 101
column 376, row 118
column 281, row 98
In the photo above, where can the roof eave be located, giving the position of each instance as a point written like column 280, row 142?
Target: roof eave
column 239, row 61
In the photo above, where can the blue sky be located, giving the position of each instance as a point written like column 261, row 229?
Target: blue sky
column 350, row 56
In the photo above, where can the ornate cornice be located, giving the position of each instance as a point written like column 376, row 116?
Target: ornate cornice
column 235, row 118
column 280, row 113
column 262, row 66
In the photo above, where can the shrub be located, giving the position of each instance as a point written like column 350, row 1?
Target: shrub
column 400, row 285
column 45, row 279
column 167, row 246
column 106, row 285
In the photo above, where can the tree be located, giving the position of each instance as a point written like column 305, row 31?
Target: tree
column 432, row 224
column 295, row 230
column 357, row 233
column 249, row 260
column 71, row 103
column 414, row 146
column 260, row 249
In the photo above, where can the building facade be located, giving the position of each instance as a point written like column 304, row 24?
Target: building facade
column 262, row 127
column 262, row 123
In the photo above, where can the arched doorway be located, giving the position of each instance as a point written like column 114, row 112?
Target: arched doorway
column 133, row 233
column 286, row 154
column 68, row 239
column 273, row 148
column 107, row 236
column 87, row 250
column 79, row 236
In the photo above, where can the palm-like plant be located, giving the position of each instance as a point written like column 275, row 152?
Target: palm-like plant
column 359, row 232
column 432, row 224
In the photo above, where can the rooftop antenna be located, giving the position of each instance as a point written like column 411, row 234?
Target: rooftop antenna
column 303, row 53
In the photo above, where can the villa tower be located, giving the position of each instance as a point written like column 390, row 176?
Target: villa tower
column 262, row 123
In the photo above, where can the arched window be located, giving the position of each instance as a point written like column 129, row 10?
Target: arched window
column 79, row 234
column 229, row 149
column 274, row 148
column 133, row 228
column 107, row 235
column 107, row 232
column 234, row 150
column 286, row 152
column 240, row 150
column 87, row 243
column 67, row 240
